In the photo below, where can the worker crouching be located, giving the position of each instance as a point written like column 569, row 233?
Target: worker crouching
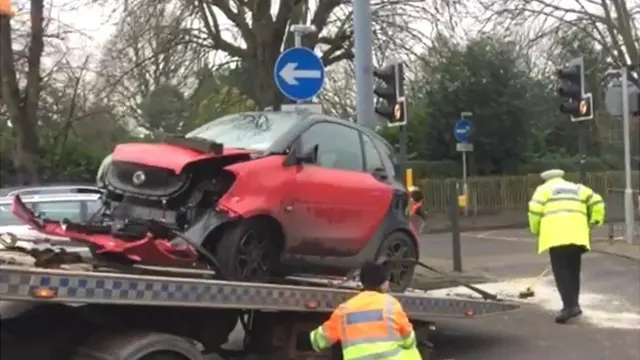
column 561, row 214
column 371, row 325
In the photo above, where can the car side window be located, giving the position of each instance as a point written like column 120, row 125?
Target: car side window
column 371, row 155
column 58, row 210
column 338, row 146
column 93, row 207
column 388, row 158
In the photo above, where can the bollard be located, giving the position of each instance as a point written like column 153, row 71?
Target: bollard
column 454, row 217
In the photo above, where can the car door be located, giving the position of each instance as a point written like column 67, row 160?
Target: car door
column 381, row 189
column 323, row 207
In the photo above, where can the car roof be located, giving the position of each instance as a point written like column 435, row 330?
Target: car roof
column 354, row 125
column 52, row 197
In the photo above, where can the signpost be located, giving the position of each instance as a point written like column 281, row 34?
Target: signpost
column 462, row 132
column 622, row 99
column 299, row 74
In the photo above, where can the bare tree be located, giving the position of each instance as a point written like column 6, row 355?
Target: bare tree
column 259, row 32
column 149, row 48
column 614, row 25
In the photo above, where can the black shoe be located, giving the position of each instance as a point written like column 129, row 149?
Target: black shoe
column 567, row 314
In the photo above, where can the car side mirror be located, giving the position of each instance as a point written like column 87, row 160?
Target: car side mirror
column 380, row 174
column 297, row 156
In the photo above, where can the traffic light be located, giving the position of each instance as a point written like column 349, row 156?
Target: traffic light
column 391, row 103
column 571, row 89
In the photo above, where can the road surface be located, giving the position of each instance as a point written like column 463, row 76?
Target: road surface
column 609, row 328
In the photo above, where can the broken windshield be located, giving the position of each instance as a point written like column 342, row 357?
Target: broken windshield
column 254, row 131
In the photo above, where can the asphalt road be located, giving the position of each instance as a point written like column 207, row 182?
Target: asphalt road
column 609, row 328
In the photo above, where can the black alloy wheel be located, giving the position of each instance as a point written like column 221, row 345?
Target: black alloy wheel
column 255, row 257
column 247, row 251
column 399, row 246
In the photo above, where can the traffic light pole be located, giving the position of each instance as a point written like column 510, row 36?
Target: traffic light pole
column 363, row 34
column 628, row 191
column 404, row 140
column 583, row 144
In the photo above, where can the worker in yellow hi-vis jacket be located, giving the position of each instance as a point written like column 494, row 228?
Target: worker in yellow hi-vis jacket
column 561, row 214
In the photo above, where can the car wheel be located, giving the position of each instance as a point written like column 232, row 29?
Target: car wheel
column 248, row 251
column 399, row 246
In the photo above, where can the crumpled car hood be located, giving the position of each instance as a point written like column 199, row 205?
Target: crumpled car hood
column 166, row 156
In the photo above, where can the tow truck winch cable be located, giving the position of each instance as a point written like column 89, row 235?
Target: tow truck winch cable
column 483, row 293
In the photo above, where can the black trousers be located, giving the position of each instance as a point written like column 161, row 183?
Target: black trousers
column 566, row 263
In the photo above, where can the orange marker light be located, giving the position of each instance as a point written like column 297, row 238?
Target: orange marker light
column 43, row 293
column 312, row 304
column 469, row 313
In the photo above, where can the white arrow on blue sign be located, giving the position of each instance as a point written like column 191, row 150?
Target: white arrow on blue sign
column 462, row 130
column 299, row 74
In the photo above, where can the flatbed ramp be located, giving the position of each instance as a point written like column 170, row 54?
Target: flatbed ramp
column 68, row 286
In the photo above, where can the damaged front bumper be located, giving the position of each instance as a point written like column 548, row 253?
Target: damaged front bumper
column 159, row 245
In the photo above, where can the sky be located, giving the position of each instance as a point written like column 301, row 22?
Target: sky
column 83, row 26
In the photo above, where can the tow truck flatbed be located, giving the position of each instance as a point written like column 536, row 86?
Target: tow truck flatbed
column 69, row 286
column 88, row 312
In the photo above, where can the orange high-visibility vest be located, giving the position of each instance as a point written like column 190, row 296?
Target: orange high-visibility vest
column 5, row 8
column 371, row 324
column 414, row 208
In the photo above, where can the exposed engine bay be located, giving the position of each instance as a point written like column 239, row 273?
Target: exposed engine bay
column 145, row 193
column 148, row 206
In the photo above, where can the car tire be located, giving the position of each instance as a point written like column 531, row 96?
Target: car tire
column 399, row 246
column 248, row 251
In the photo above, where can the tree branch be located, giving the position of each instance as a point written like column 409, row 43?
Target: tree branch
column 212, row 27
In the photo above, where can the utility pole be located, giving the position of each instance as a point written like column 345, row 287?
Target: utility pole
column 628, row 191
column 363, row 35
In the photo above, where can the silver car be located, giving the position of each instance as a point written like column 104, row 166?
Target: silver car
column 76, row 207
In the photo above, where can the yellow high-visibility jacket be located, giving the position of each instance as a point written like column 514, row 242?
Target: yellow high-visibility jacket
column 562, row 213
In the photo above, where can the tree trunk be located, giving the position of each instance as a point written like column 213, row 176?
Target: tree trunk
column 23, row 108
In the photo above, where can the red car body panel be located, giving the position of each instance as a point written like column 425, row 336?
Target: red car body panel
column 340, row 219
column 164, row 155
column 151, row 251
column 259, row 187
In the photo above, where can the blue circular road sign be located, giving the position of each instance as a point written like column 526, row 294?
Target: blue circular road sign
column 299, row 74
column 462, row 130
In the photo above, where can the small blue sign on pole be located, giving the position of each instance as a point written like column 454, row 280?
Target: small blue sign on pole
column 299, row 74
column 462, row 130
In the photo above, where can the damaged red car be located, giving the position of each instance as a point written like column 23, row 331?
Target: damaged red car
column 253, row 196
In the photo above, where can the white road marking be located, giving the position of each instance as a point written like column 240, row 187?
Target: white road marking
column 494, row 235
column 599, row 310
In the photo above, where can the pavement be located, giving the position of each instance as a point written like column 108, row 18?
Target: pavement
column 507, row 260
